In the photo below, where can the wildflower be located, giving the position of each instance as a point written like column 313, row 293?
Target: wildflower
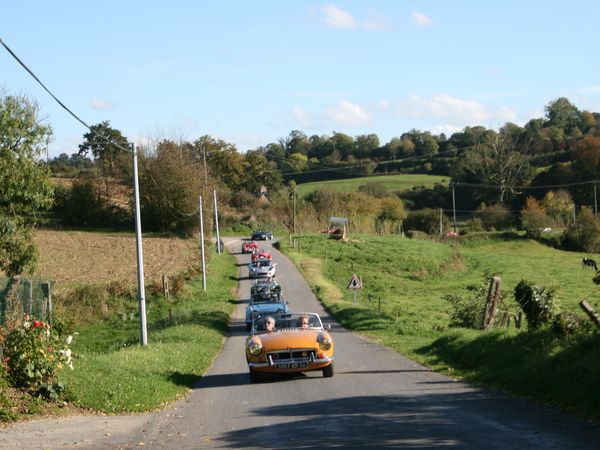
column 69, row 340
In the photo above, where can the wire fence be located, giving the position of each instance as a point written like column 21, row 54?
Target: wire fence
column 25, row 296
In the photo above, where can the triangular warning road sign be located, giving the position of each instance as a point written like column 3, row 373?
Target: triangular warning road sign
column 355, row 283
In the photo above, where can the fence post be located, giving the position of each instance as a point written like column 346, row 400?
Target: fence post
column 47, row 294
column 165, row 281
column 28, row 297
column 492, row 301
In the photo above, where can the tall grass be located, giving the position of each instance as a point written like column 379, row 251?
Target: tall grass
column 402, row 305
column 113, row 373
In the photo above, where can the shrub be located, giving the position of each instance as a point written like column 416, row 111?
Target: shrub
column 425, row 220
column 584, row 235
column 466, row 312
column 567, row 324
column 538, row 303
column 496, row 217
column 33, row 355
column 469, row 312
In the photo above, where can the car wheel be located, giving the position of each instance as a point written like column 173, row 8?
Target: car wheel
column 328, row 371
column 248, row 326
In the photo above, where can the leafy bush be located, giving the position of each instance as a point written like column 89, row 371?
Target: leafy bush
column 538, row 303
column 567, row 324
column 495, row 217
column 469, row 312
column 584, row 234
column 425, row 220
column 33, row 355
column 466, row 312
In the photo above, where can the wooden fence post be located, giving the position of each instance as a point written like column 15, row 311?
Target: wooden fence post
column 489, row 314
column 47, row 301
column 590, row 312
column 165, row 281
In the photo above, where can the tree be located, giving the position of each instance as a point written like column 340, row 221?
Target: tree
column 533, row 218
column 108, row 145
column 24, row 181
column 169, row 188
column 562, row 114
column 499, row 165
column 559, row 206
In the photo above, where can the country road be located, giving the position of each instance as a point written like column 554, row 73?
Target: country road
column 376, row 399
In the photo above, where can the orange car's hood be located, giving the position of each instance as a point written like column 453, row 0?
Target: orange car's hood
column 285, row 339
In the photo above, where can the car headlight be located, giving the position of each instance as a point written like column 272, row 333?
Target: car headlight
column 324, row 341
column 254, row 347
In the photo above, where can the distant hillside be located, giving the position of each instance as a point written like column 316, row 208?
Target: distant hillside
column 401, row 182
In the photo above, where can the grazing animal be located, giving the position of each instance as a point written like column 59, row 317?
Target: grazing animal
column 587, row 262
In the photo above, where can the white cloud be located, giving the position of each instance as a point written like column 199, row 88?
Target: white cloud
column 421, row 19
column 455, row 110
column 346, row 113
column 103, row 105
column 337, row 18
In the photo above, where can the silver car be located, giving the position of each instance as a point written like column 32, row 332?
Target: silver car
column 262, row 268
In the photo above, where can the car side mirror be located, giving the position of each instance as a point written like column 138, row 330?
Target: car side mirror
column 327, row 326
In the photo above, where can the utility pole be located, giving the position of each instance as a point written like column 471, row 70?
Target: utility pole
column 595, row 199
column 202, row 244
column 294, row 194
column 140, row 255
column 454, row 207
column 441, row 223
column 217, row 223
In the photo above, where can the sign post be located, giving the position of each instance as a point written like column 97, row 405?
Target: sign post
column 355, row 284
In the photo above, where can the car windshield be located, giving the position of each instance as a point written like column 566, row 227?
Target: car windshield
column 262, row 263
column 298, row 321
column 266, row 298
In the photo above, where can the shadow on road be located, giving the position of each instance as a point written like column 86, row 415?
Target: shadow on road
column 440, row 420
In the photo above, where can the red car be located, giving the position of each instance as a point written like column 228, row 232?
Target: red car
column 265, row 254
column 249, row 247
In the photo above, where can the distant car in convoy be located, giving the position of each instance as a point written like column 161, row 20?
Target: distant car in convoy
column 262, row 235
column 249, row 247
column 298, row 343
column 265, row 254
column 265, row 299
column 261, row 268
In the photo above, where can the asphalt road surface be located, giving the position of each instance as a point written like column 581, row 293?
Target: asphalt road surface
column 376, row 399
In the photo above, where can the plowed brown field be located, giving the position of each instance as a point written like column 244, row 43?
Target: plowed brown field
column 71, row 257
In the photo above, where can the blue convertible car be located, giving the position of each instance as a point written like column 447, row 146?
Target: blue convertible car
column 265, row 299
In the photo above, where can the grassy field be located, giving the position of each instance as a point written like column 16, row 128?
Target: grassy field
column 391, row 182
column 402, row 305
column 113, row 373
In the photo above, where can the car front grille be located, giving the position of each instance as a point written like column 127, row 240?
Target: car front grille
column 297, row 355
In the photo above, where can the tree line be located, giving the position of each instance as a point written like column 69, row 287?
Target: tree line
column 513, row 168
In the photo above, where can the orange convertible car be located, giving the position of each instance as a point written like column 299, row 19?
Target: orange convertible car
column 289, row 343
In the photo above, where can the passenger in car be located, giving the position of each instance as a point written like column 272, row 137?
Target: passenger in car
column 303, row 321
column 269, row 324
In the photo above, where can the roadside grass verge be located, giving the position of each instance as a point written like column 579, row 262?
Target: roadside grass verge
column 114, row 374
column 402, row 306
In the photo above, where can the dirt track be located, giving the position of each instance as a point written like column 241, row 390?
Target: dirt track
column 70, row 257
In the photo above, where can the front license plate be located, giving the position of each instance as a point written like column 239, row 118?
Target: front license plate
column 294, row 365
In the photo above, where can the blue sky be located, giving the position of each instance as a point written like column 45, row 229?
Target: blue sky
column 249, row 72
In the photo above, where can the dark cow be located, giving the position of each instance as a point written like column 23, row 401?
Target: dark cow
column 587, row 262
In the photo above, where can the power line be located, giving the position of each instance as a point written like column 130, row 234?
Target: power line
column 104, row 138
column 57, row 100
